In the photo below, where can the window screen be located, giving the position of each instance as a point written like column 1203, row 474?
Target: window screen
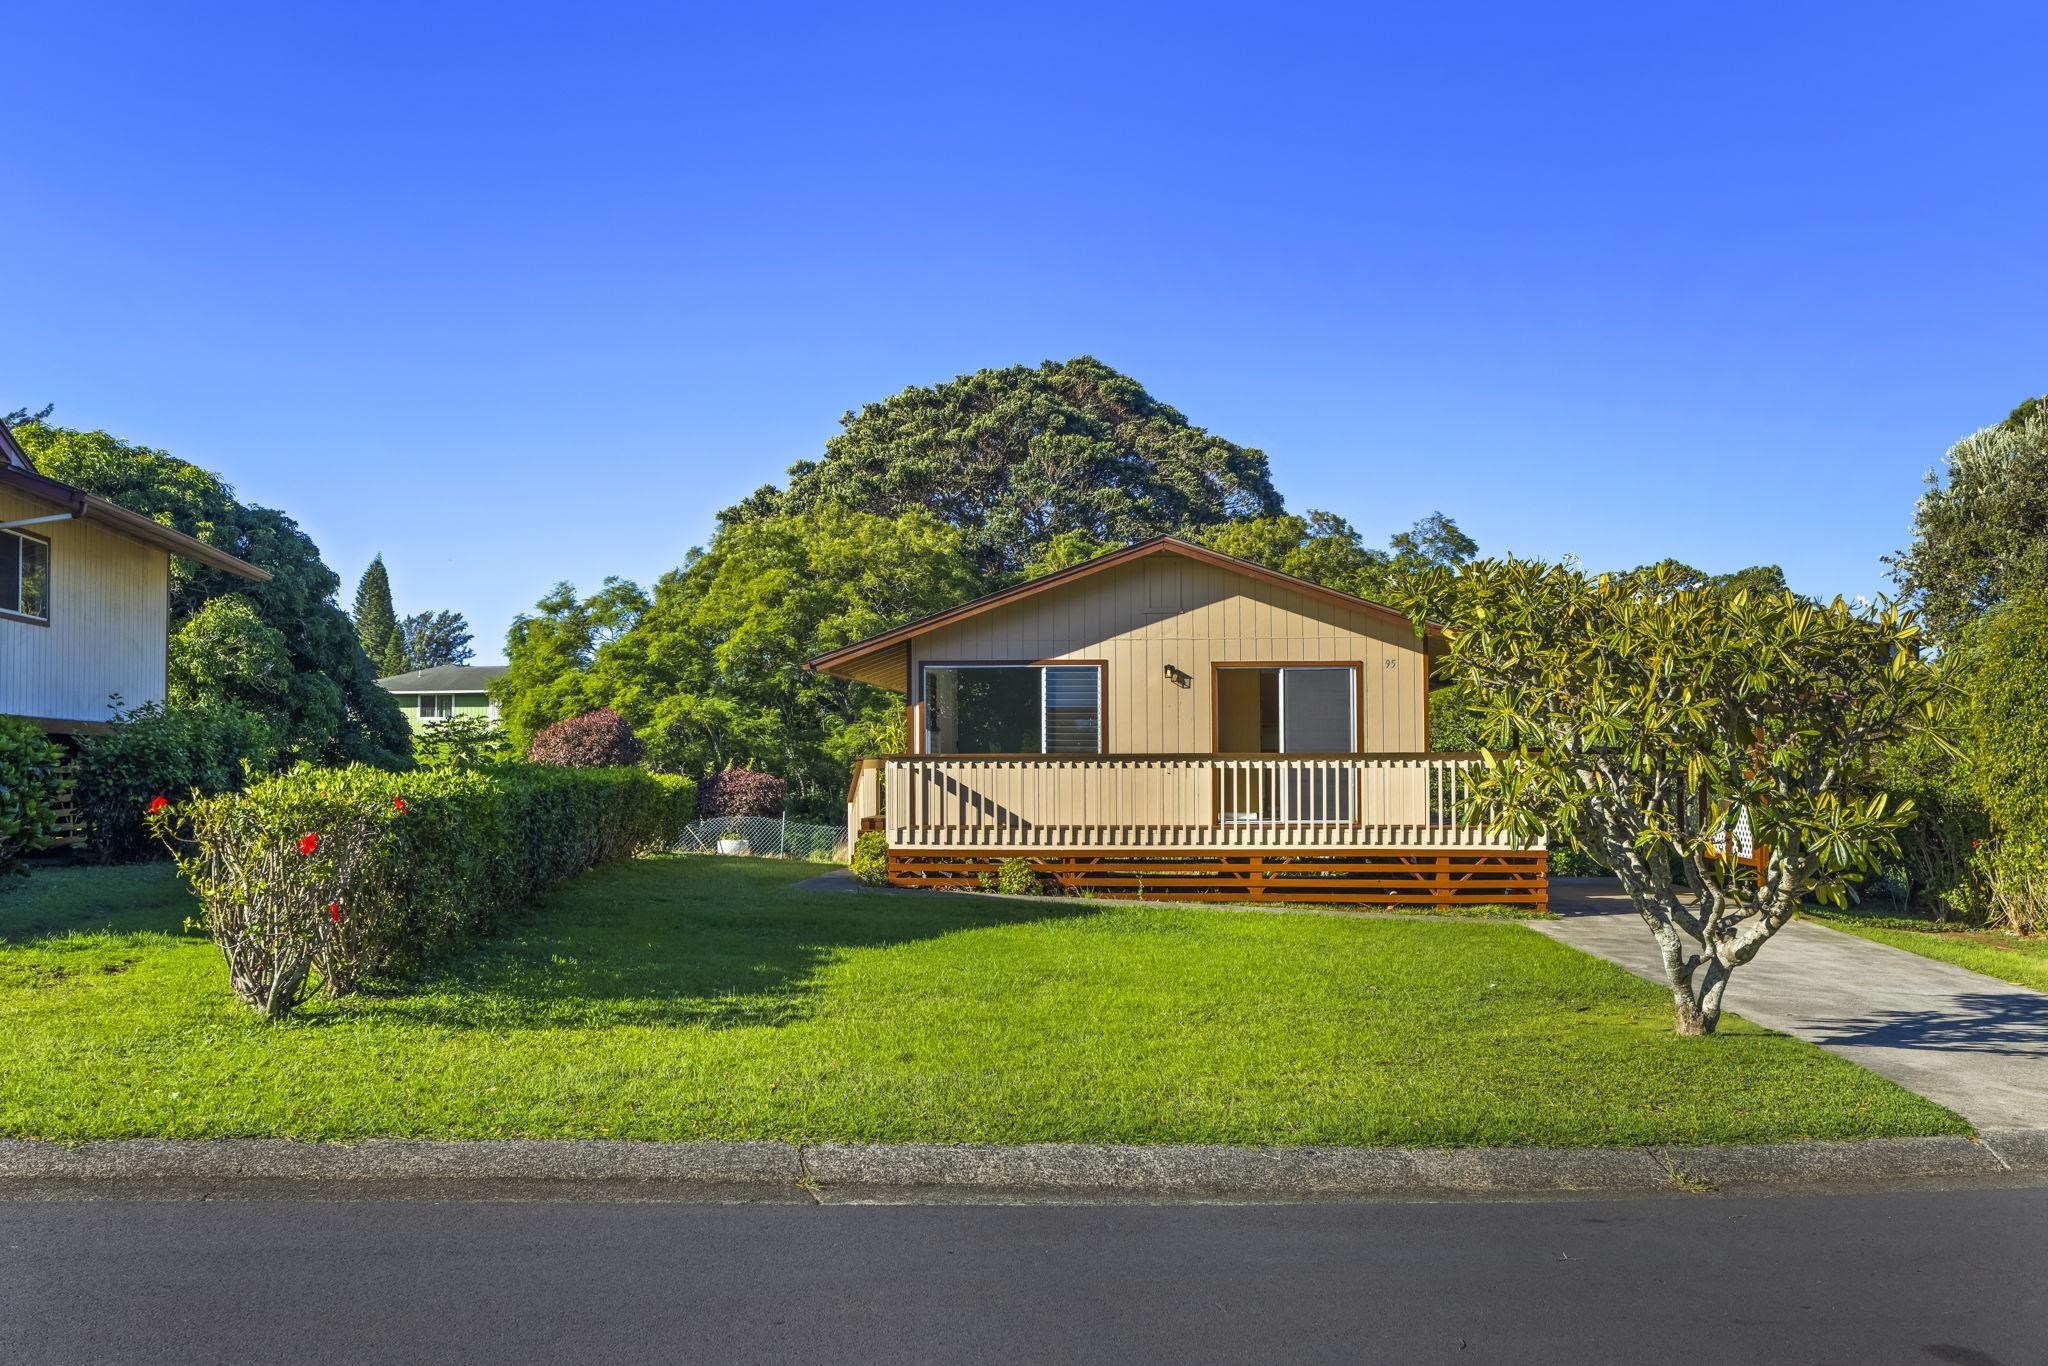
column 1315, row 711
column 1012, row 709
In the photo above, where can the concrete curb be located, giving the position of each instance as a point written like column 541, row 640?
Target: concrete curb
column 597, row 1169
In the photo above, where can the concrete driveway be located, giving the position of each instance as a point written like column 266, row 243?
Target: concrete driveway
column 1972, row 1043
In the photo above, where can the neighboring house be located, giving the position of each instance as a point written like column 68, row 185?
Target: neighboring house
column 85, row 599
column 1169, row 721
column 445, row 692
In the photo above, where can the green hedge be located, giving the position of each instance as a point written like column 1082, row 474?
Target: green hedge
column 360, row 872
column 28, row 776
column 2009, row 724
column 171, row 752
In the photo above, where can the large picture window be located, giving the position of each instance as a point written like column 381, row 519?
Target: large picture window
column 1013, row 709
column 24, row 575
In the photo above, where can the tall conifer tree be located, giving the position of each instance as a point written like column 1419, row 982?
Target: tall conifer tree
column 376, row 619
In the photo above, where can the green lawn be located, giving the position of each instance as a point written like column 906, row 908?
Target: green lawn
column 2023, row 961
column 700, row 998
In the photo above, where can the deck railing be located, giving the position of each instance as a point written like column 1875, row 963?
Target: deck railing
column 1152, row 801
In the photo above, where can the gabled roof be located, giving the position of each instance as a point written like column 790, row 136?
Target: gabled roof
column 834, row 660
column 12, row 456
column 446, row 678
column 18, row 472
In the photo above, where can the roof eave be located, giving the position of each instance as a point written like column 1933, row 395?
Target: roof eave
column 90, row 507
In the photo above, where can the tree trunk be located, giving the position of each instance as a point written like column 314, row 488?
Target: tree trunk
column 1696, row 1004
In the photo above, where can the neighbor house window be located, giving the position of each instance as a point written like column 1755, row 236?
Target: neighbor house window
column 436, row 706
column 24, row 575
column 1013, row 709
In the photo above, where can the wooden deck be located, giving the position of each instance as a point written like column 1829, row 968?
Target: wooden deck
column 1375, row 828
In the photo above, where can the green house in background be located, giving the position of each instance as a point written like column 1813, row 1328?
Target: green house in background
column 442, row 693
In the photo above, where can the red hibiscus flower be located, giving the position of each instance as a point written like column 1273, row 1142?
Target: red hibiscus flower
column 398, row 803
column 334, row 911
column 157, row 804
column 308, row 842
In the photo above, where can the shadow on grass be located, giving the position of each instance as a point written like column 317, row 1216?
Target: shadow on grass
column 709, row 944
column 54, row 901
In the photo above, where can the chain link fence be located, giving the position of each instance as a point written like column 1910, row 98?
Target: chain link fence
column 763, row 835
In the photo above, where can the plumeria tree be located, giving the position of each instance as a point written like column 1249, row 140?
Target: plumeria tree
column 1651, row 717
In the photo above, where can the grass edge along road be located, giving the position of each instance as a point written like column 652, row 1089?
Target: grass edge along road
column 701, row 998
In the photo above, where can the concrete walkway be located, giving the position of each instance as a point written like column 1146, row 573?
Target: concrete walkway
column 1972, row 1043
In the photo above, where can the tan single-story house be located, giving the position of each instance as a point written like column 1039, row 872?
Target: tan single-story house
column 85, row 599
column 1169, row 721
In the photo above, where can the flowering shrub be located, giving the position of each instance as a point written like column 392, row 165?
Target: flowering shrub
column 741, row 792
column 596, row 739
column 335, row 875
column 28, row 774
column 270, row 897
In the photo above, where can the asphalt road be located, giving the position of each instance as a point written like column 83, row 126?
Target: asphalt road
column 1921, row 1276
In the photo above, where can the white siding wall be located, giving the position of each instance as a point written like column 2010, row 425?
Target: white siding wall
column 1169, row 610
column 109, row 605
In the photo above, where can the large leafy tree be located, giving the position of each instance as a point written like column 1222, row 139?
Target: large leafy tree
column 1016, row 457
column 1980, row 532
column 708, row 669
column 430, row 639
column 1647, row 717
column 332, row 709
column 550, row 651
column 1324, row 548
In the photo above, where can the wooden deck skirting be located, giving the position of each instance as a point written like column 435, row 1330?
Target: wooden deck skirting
column 1369, row 877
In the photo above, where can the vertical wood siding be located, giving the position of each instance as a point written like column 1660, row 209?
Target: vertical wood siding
column 109, row 609
column 1166, row 610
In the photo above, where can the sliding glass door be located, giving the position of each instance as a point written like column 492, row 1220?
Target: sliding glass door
column 1286, row 709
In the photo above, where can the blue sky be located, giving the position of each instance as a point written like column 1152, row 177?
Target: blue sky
column 515, row 294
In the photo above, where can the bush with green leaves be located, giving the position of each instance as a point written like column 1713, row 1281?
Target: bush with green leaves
column 28, row 776
column 1939, row 866
column 2008, row 712
column 1012, row 877
column 871, row 858
column 460, row 742
column 155, row 751
column 333, row 876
